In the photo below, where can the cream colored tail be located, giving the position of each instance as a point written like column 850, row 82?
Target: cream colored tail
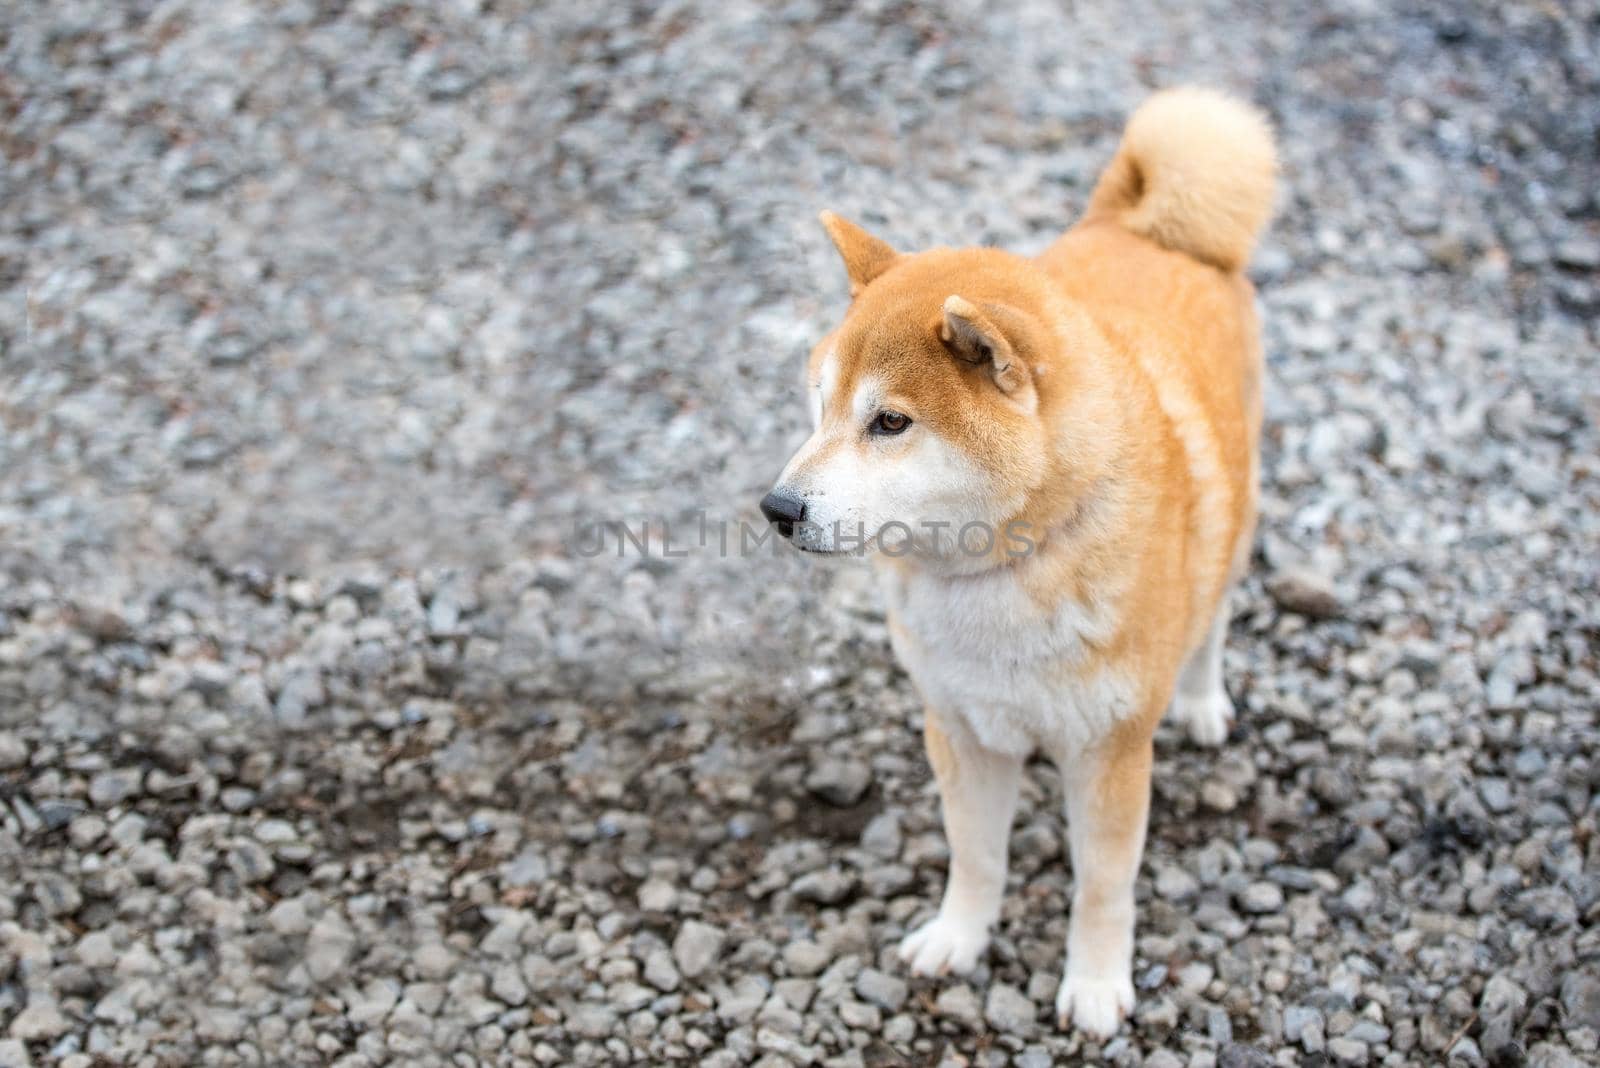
column 1194, row 173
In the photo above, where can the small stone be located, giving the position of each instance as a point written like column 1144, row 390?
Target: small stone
column 105, row 622
column 1496, row 794
column 14, row 1054
column 660, row 972
column 783, row 1049
column 886, row 991
column 1501, row 1008
column 13, row 751
column 57, row 896
column 1369, row 1031
column 805, row 958
column 960, row 1004
column 289, row 917
column 1195, row 976
column 1009, row 1011
column 657, row 895
column 1219, row 796
column 1260, row 897
column 696, row 947
column 887, row 881
column 376, row 1000
column 1348, row 1051
column 592, row 1021
column 1580, row 998
column 1176, row 884
column 328, row 948
column 211, row 679
column 1300, row 1021
column 526, row 868
column 40, row 1021
column 882, row 837
column 507, row 985
column 1160, row 1013
column 1551, row 1055
column 860, row 1016
column 796, row 993
column 428, row 997
column 96, row 950
column 114, row 787
column 444, row 616
column 899, row 1030
column 740, row 1004
column 251, row 863
column 1579, row 253
column 1305, row 592
column 505, row 937
column 434, row 960
column 777, row 1015
column 839, row 782
column 408, row 1019
column 1240, row 1055
column 234, row 798
column 826, row 887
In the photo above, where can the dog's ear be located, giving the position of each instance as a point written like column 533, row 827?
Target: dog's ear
column 865, row 257
column 975, row 335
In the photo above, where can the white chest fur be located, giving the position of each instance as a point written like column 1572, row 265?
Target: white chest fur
column 1015, row 670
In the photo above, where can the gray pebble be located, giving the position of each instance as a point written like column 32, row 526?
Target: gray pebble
column 805, row 958
column 659, row 970
column 696, row 947
column 839, row 782
column 57, row 896
column 959, row 1003
column 827, row 887
column 1305, row 592
column 888, row 992
column 250, row 862
column 114, row 787
column 1009, row 1011
column 13, row 751
column 1260, row 897
column 1348, row 1051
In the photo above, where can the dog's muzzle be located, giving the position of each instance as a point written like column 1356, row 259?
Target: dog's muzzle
column 783, row 510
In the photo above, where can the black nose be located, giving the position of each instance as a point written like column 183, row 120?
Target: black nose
column 783, row 511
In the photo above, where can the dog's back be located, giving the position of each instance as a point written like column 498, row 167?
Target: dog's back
column 1158, row 261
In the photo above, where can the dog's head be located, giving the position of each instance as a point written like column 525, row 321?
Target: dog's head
column 925, row 403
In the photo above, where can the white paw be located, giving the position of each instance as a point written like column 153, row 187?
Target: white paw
column 1208, row 717
column 1094, row 1004
column 945, row 945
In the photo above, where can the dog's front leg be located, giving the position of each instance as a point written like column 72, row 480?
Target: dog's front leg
column 1108, row 800
column 978, row 791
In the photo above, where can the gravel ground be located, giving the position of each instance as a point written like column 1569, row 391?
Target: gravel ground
column 322, row 742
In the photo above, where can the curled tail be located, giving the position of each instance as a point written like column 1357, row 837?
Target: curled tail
column 1194, row 173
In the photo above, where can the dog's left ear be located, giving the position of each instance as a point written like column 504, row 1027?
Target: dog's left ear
column 975, row 335
column 865, row 257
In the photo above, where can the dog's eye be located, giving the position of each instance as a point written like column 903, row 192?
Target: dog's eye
column 890, row 423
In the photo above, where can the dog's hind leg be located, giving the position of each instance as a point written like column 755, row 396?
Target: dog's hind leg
column 1201, row 702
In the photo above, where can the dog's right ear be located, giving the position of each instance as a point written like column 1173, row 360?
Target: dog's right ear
column 865, row 257
column 979, row 336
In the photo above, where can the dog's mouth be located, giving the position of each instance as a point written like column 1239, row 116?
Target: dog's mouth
column 862, row 545
column 814, row 551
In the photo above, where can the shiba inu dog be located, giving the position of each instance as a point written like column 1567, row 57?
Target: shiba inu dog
column 1053, row 461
